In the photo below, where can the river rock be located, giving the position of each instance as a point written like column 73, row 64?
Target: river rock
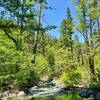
column 51, row 84
column 6, row 94
column 17, row 91
column 97, row 96
column 12, row 95
column 84, row 93
column 21, row 93
column 1, row 94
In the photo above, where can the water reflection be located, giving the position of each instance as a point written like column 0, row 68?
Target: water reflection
column 72, row 96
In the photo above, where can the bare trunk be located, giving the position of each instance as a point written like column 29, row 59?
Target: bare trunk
column 71, row 43
column 98, row 30
column 91, row 65
column 38, row 33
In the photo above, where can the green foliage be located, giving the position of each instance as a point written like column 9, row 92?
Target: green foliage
column 25, row 78
column 28, row 52
column 71, row 78
column 16, row 68
column 95, row 84
column 66, row 29
column 41, row 66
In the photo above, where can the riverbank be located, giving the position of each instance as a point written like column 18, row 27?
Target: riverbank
column 49, row 90
column 42, row 92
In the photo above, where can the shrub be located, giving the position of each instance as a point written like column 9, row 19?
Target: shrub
column 95, row 83
column 71, row 78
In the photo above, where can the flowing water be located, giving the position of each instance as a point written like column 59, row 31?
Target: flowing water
column 70, row 96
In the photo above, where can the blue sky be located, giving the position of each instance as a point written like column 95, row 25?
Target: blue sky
column 56, row 15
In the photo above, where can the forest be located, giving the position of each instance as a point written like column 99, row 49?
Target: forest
column 30, row 55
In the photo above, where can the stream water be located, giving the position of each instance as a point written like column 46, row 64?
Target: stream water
column 69, row 96
column 47, row 93
column 63, row 97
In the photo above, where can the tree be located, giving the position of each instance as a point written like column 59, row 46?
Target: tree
column 67, row 30
column 87, row 26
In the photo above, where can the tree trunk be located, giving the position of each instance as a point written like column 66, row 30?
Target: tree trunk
column 98, row 30
column 91, row 65
column 71, row 43
column 38, row 33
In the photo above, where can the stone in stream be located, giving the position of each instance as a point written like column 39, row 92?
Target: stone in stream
column 97, row 96
column 12, row 95
column 51, row 84
column 46, row 84
column 84, row 93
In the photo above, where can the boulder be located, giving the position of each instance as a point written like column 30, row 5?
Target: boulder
column 97, row 96
column 92, row 92
column 84, row 93
column 6, row 94
column 12, row 95
column 21, row 93
column 51, row 84
column 1, row 94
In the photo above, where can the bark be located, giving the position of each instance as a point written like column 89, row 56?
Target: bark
column 22, row 12
column 82, row 60
column 91, row 59
column 91, row 65
column 98, row 25
column 71, row 43
column 38, row 33
column 12, row 38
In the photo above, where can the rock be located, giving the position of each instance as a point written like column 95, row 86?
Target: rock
column 84, row 93
column 35, row 87
column 62, row 90
column 26, row 91
column 51, row 84
column 21, row 93
column 91, row 92
column 97, row 96
column 6, row 94
column 46, row 84
column 12, row 95
column 41, row 83
column 17, row 91
column 1, row 94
